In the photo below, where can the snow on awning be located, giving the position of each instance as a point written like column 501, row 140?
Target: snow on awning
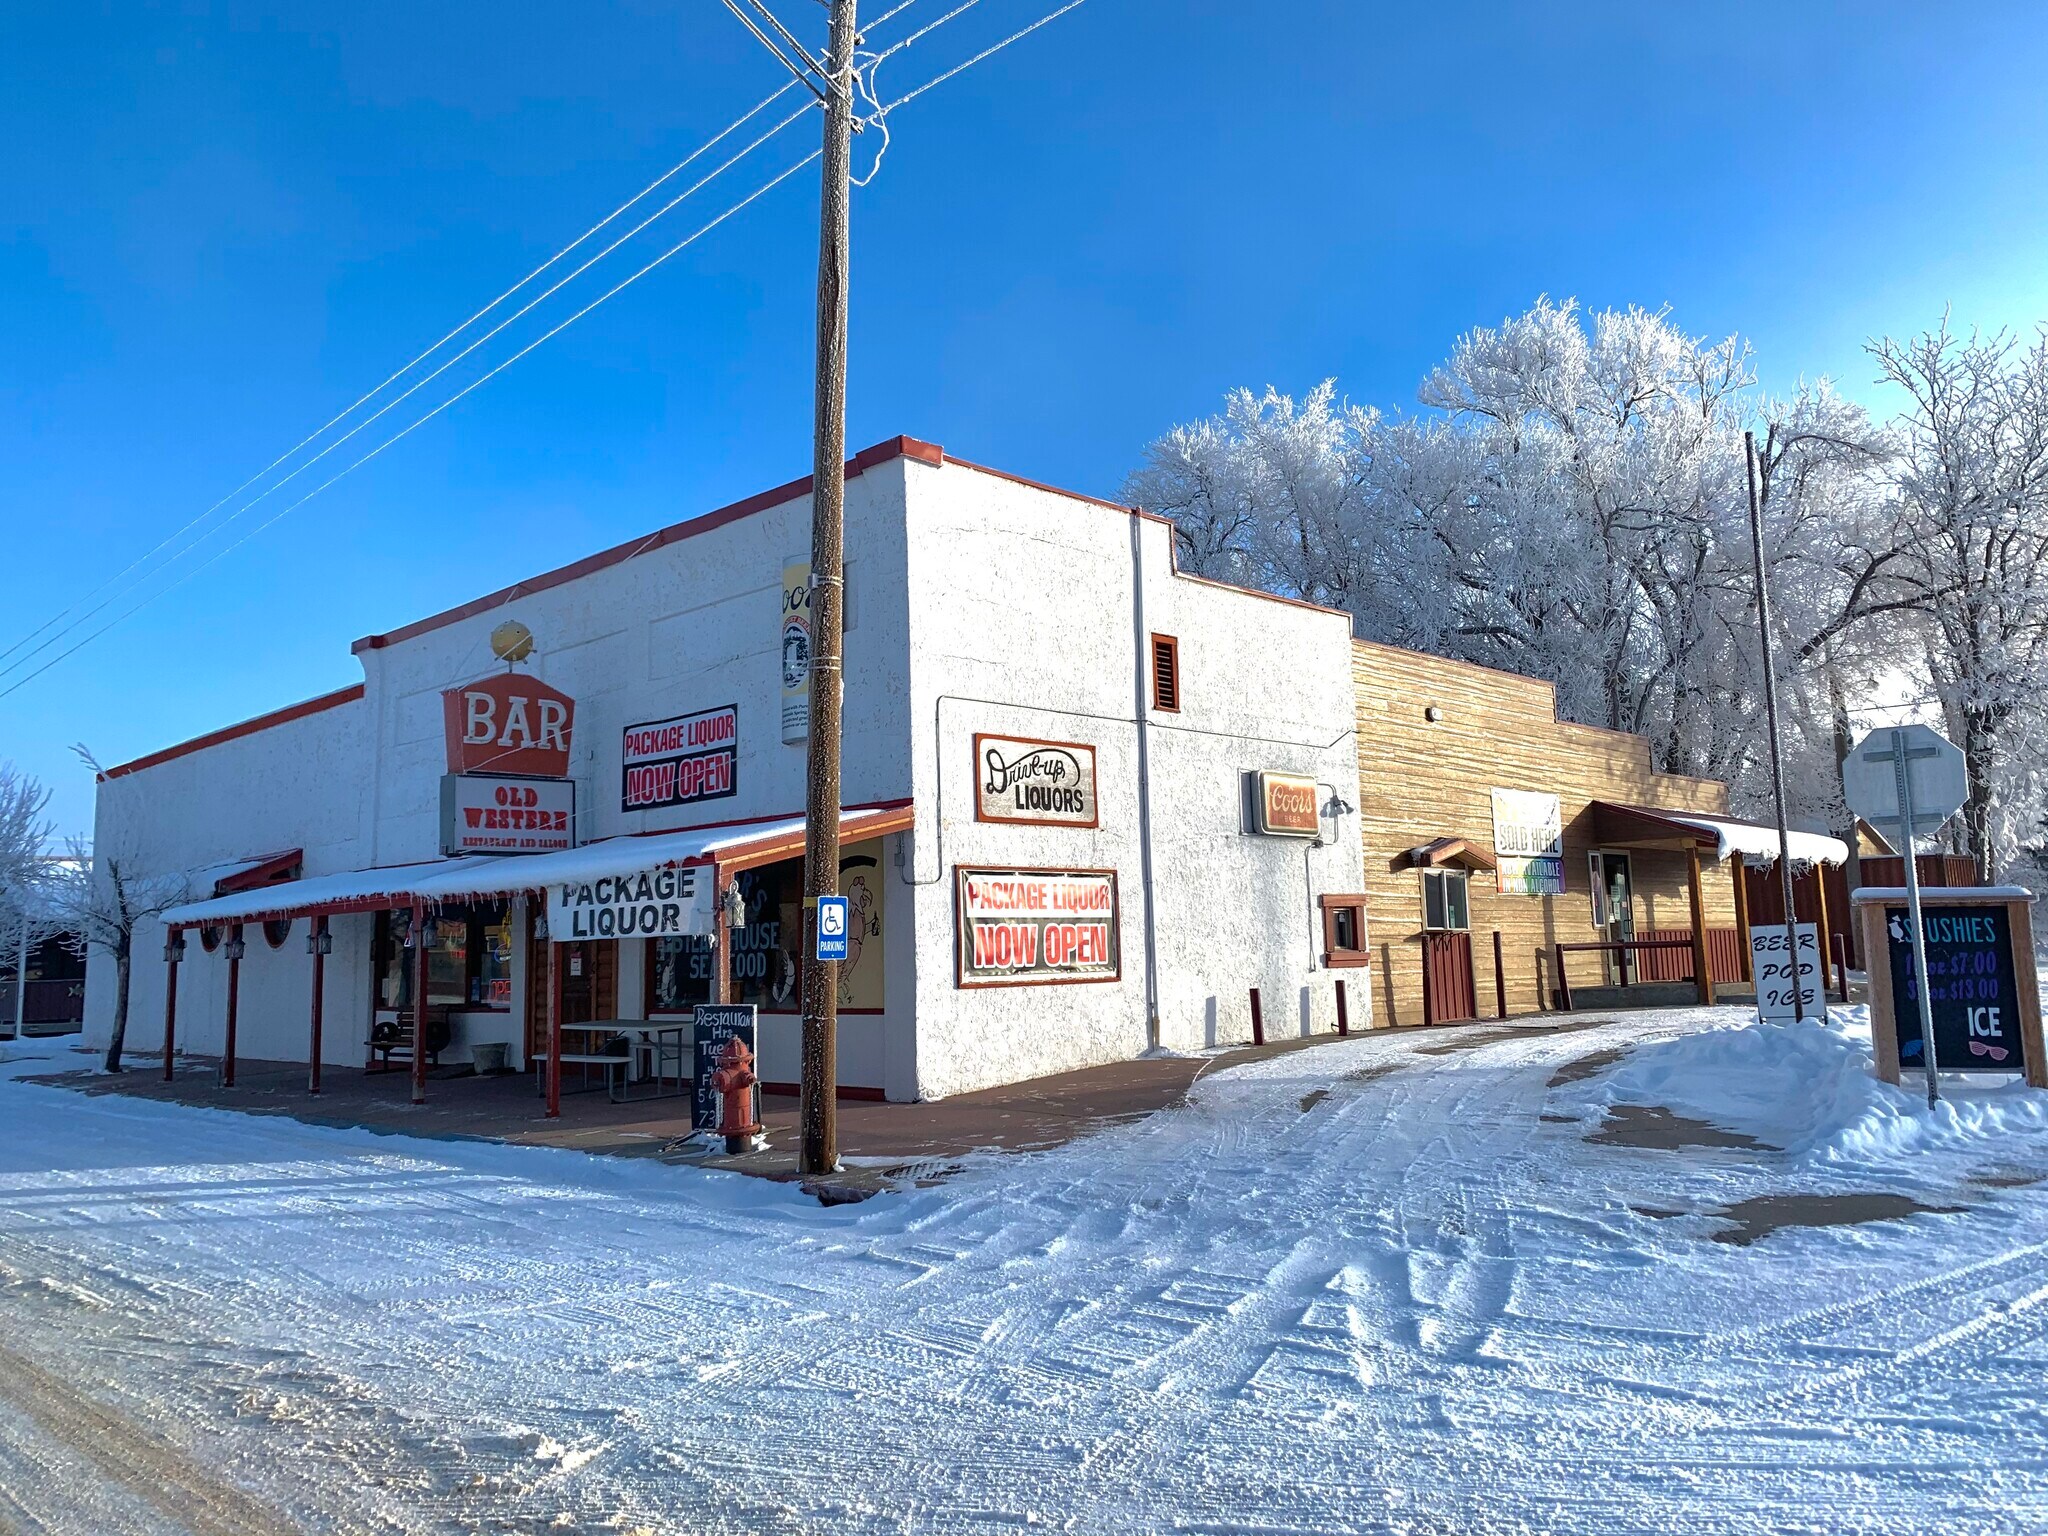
column 1647, row 826
column 1454, row 852
column 242, row 874
column 734, row 845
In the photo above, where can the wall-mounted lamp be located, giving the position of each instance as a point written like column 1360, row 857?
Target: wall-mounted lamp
column 1433, row 713
column 735, row 904
column 235, row 947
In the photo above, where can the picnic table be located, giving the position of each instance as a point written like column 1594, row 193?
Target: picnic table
column 657, row 1051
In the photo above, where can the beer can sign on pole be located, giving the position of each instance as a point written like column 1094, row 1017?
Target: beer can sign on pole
column 796, row 650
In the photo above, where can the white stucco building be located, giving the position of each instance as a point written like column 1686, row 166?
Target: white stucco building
column 1002, row 635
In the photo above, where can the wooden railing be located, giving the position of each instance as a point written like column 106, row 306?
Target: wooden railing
column 1621, row 949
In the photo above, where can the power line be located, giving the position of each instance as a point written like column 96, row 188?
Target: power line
column 529, row 306
column 420, row 422
column 484, row 378
column 342, row 415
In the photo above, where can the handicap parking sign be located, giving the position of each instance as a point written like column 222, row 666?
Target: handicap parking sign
column 831, row 928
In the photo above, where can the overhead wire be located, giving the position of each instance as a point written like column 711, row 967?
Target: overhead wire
column 340, row 416
column 420, row 384
column 602, row 298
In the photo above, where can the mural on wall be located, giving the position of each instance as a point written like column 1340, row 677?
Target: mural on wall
column 864, row 885
column 1528, row 843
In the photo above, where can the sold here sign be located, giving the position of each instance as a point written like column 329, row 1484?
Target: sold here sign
column 1020, row 927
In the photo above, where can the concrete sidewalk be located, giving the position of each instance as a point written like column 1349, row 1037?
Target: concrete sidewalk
column 880, row 1144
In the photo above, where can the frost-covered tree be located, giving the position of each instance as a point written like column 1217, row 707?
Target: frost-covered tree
column 98, row 898
column 1974, row 480
column 24, row 847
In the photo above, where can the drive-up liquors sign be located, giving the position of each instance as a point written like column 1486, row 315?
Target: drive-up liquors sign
column 1045, row 783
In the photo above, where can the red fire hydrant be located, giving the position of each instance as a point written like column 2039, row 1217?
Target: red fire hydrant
column 733, row 1082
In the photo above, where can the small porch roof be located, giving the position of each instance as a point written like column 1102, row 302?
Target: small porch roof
column 1451, row 852
column 731, row 845
column 1643, row 826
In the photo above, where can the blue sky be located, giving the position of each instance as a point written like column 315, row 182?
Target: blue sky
column 223, row 222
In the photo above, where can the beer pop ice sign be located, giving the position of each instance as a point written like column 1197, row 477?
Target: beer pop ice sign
column 1780, row 972
column 1020, row 927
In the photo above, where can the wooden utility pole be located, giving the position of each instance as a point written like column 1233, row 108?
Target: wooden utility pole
column 819, row 1130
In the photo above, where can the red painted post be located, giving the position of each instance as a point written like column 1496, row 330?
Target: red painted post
column 1428, row 988
column 554, row 1028
column 1564, row 987
column 1500, row 979
column 173, row 947
column 419, row 1003
column 1343, row 1011
column 1258, row 1020
column 227, row 1063
column 317, row 938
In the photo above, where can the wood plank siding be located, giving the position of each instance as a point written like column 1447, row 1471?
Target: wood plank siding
column 1422, row 779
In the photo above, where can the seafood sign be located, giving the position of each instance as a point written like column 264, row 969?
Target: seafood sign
column 1044, row 783
column 1971, row 987
column 1023, row 926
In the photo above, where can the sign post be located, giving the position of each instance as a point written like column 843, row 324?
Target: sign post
column 1909, row 778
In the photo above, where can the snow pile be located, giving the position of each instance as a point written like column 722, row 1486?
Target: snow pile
column 1812, row 1089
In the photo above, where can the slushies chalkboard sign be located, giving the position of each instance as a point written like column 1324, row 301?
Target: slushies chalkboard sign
column 1974, row 997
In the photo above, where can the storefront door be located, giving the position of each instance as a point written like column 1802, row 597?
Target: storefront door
column 1618, row 885
column 590, row 986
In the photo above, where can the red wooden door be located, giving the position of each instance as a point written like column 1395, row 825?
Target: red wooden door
column 1447, row 975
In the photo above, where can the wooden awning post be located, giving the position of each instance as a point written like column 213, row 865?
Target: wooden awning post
column 1702, row 970
column 1740, row 872
column 1820, row 933
column 316, row 939
column 227, row 1060
column 419, row 1002
column 173, row 948
column 554, row 1026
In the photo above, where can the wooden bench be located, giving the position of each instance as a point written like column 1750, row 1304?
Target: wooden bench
column 394, row 1040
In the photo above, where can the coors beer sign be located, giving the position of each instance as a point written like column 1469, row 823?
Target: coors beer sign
column 509, row 723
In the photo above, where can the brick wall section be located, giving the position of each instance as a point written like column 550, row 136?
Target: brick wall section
column 1420, row 780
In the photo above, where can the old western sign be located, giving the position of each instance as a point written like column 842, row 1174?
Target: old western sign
column 491, row 813
column 653, row 904
column 1528, row 843
column 1049, row 783
column 1971, row 985
column 682, row 759
column 795, row 640
column 509, row 723
column 1285, row 805
column 1021, row 926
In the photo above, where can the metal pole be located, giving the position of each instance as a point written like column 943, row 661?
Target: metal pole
column 819, row 1140
column 21, row 978
column 227, row 1060
column 1926, row 1011
column 171, row 950
column 1763, row 626
column 419, row 1003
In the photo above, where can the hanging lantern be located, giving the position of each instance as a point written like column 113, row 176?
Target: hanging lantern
column 174, row 947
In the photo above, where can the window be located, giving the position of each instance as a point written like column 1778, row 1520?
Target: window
column 1166, row 674
column 209, row 937
column 1445, row 903
column 276, row 930
column 1344, row 931
column 764, row 964
column 469, row 957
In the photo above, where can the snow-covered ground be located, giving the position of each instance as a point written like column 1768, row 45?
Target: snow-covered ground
column 1390, row 1284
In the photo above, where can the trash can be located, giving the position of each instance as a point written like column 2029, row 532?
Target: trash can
column 489, row 1056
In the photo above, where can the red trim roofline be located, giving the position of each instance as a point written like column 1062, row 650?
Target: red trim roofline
column 226, row 733
column 618, row 554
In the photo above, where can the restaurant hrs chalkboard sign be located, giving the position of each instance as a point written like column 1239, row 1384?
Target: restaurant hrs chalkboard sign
column 1974, row 997
column 716, row 1023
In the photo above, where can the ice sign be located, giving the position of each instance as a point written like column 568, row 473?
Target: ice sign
column 1971, row 987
